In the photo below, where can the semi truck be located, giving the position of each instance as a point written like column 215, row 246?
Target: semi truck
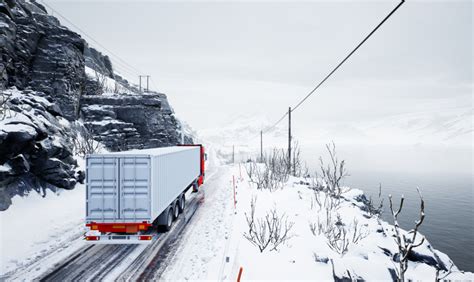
column 132, row 194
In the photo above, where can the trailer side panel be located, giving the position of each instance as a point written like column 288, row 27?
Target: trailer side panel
column 172, row 174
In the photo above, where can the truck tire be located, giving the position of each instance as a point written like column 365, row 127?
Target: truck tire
column 169, row 220
column 176, row 210
column 182, row 203
column 195, row 187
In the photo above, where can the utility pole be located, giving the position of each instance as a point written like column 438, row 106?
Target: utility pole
column 140, row 82
column 289, row 139
column 261, row 145
column 233, row 154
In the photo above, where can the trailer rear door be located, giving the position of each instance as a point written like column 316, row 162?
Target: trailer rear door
column 135, row 198
column 102, row 184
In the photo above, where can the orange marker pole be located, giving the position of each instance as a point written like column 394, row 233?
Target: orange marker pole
column 240, row 274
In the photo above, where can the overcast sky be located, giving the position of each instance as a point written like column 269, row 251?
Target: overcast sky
column 217, row 61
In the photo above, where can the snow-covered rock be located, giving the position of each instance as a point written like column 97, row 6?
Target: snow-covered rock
column 62, row 80
column 36, row 150
column 126, row 121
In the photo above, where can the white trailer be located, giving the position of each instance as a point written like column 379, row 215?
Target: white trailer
column 131, row 193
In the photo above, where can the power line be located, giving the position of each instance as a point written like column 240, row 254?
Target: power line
column 334, row 70
column 153, row 83
column 347, row 57
column 268, row 128
column 276, row 123
column 125, row 64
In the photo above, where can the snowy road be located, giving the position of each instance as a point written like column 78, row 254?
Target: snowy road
column 98, row 262
column 201, row 249
column 193, row 249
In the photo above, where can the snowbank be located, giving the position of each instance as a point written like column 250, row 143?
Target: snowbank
column 309, row 256
column 34, row 226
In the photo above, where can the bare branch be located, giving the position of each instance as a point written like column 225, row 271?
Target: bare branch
column 272, row 230
column 405, row 246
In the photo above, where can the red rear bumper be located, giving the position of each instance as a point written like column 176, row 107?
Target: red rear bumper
column 118, row 227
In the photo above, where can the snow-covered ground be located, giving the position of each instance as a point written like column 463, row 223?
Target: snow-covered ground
column 110, row 86
column 215, row 248
column 34, row 226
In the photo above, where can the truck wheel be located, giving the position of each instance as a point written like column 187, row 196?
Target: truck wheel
column 176, row 210
column 169, row 220
column 182, row 203
column 195, row 187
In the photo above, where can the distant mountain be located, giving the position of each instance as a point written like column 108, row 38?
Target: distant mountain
column 453, row 126
column 242, row 129
column 448, row 127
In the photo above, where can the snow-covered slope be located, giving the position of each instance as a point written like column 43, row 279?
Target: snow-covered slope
column 452, row 126
column 242, row 129
column 215, row 248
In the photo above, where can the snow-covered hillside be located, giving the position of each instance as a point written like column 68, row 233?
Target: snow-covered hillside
column 306, row 255
column 213, row 245
column 452, row 127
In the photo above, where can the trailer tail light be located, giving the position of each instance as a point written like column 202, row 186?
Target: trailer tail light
column 92, row 238
column 94, row 227
column 141, row 227
column 144, row 237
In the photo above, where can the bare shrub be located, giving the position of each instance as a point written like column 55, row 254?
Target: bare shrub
column 277, row 163
column 271, row 174
column 84, row 142
column 372, row 209
column 298, row 168
column 323, row 226
column 405, row 245
column 333, row 173
column 317, row 199
column 4, row 107
column 268, row 232
column 4, row 96
column 101, row 81
column 337, row 237
column 358, row 232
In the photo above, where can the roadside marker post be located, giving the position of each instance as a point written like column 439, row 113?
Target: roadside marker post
column 240, row 274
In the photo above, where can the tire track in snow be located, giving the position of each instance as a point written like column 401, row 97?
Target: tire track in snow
column 199, row 253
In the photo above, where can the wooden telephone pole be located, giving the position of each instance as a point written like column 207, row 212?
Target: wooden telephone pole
column 261, row 145
column 233, row 153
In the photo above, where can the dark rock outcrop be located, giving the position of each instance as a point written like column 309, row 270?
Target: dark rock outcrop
column 131, row 121
column 53, row 79
column 41, row 54
column 35, row 147
column 98, row 61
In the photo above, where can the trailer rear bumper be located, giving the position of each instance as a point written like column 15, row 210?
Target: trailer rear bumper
column 120, row 238
column 119, row 227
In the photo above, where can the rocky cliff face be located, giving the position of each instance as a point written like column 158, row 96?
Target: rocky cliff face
column 39, row 53
column 52, row 83
column 123, row 122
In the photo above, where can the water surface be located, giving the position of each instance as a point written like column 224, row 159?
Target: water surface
column 444, row 175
